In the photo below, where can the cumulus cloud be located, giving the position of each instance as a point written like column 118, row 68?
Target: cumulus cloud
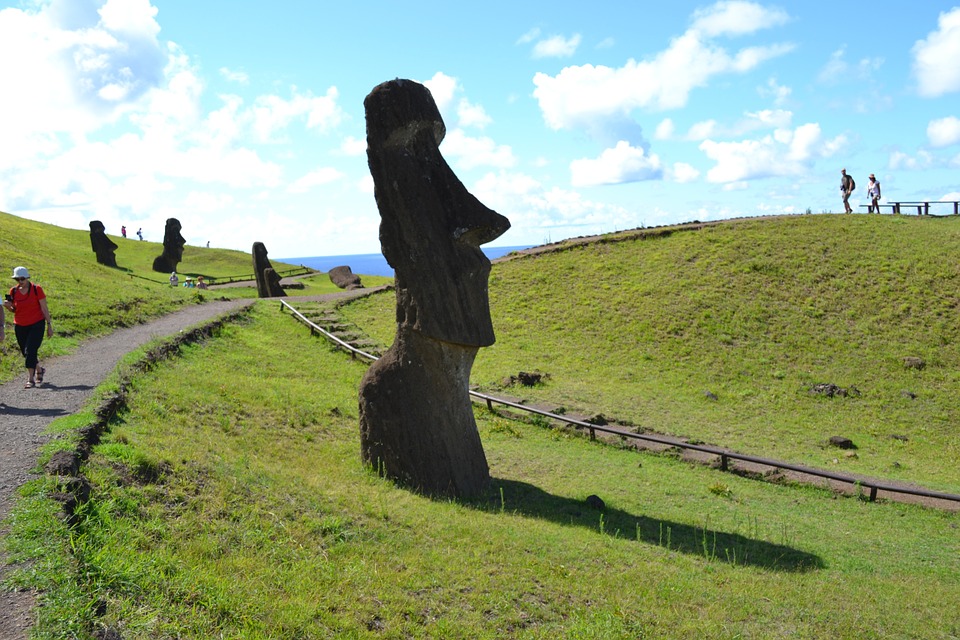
column 443, row 88
column 580, row 95
column 623, row 163
column 779, row 93
column 683, row 173
column 240, row 77
column 902, row 161
column 736, row 17
column 472, row 115
column 556, row 47
column 935, row 57
column 536, row 211
column 785, row 152
column 469, row 152
column 273, row 114
column 751, row 121
column 351, row 146
column 664, row 130
column 316, row 178
column 944, row 131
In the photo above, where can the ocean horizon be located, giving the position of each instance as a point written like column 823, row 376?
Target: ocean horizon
column 374, row 264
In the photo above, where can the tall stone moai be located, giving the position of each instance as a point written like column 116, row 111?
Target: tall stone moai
column 104, row 247
column 173, row 243
column 416, row 418
column 268, row 284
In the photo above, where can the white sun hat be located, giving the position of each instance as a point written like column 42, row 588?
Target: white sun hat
column 20, row 272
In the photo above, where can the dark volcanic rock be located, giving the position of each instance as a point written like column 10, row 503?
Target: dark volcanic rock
column 173, row 243
column 103, row 246
column 416, row 418
column 842, row 443
column 345, row 278
column 267, row 286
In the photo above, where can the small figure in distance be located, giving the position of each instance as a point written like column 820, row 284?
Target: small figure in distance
column 847, row 185
column 188, row 283
column 873, row 190
column 31, row 316
column 140, row 233
column 201, row 283
column 174, row 280
column 123, row 231
column 208, row 244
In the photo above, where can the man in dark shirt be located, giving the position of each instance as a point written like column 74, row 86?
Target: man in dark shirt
column 847, row 186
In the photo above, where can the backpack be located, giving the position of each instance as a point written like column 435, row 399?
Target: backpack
column 853, row 183
column 33, row 290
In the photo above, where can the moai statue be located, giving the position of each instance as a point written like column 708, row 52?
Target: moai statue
column 345, row 278
column 416, row 418
column 103, row 246
column 173, row 243
column 266, row 287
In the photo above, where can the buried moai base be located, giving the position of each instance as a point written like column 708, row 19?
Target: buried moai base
column 416, row 418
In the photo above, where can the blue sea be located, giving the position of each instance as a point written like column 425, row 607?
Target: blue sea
column 374, row 264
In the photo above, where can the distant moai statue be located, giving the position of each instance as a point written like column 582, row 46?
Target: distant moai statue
column 103, row 246
column 173, row 243
column 267, row 286
column 345, row 278
column 416, row 418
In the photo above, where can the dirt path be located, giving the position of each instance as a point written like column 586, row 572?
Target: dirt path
column 26, row 413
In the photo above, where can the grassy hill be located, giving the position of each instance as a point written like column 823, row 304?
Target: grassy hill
column 87, row 299
column 235, row 504
column 756, row 313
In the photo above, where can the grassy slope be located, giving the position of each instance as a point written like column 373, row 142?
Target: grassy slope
column 87, row 299
column 756, row 312
column 262, row 523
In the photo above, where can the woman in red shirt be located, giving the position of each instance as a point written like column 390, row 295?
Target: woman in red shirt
column 30, row 317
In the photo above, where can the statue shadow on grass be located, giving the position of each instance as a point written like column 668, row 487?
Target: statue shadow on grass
column 720, row 546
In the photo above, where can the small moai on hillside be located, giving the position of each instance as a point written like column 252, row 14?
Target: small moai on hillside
column 267, row 287
column 103, row 246
column 416, row 419
column 173, row 243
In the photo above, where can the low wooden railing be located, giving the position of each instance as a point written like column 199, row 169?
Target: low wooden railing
column 724, row 455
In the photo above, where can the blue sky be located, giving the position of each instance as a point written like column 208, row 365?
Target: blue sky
column 245, row 120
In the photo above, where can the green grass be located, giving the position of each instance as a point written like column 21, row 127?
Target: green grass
column 756, row 312
column 237, row 507
column 87, row 299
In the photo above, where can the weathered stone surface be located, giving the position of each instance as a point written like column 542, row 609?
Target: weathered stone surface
column 267, row 286
column 842, row 443
column 913, row 362
column 416, row 419
column 173, row 243
column 345, row 278
column 103, row 246
column 272, row 280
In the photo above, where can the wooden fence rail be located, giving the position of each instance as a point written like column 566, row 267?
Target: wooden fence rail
column 724, row 455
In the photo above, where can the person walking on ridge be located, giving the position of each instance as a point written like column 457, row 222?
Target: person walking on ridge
column 873, row 190
column 847, row 185
column 30, row 317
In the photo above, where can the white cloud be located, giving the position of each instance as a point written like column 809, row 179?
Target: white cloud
column 752, row 121
column 618, row 165
column 472, row 115
column 944, row 131
column 778, row 92
column 683, row 173
column 606, row 43
column 273, row 114
column 132, row 17
column 736, row 17
column 902, row 161
column 785, row 152
column 557, row 47
column 536, row 211
column 442, row 87
column 476, row 152
column 581, row 95
column 239, row 77
column 664, row 130
column 352, row 146
column 935, row 58
column 316, row 178
column 529, row 36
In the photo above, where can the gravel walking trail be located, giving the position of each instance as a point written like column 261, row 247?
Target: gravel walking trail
column 70, row 380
